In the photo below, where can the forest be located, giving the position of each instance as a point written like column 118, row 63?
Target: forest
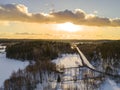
column 48, row 50
column 37, row 50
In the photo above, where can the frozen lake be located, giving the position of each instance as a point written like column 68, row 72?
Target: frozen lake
column 7, row 66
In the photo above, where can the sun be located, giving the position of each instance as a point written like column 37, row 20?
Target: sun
column 68, row 27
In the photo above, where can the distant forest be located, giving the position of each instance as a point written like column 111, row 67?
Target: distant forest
column 37, row 50
column 48, row 50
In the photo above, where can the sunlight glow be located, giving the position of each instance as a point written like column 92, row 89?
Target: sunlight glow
column 69, row 27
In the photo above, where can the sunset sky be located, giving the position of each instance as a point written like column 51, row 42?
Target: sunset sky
column 60, row 19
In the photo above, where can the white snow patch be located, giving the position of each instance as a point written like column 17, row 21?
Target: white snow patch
column 73, row 60
column 39, row 87
column 2, row 49
column 86, row 62
column 68, row 60
column 110, row 85
column 7, row 66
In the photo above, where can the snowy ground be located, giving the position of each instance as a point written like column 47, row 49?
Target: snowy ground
column 68, row 60
column 7, row 66
column 73, row 60
column 110, row 85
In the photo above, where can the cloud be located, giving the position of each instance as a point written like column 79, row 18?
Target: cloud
column 14, row 12
column 19, row 12
column 95, row 12
column 33, row 34
column 24, row 33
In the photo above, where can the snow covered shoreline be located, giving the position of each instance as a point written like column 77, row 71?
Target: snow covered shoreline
column 7, row 66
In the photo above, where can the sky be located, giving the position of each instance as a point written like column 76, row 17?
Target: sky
column 60, row 19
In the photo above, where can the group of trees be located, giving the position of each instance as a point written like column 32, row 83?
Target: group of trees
column 33, row 74
column 109, row 49
column 37, row 50
column 110, row 52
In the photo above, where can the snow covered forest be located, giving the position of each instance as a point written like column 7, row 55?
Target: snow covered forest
column 53, row 65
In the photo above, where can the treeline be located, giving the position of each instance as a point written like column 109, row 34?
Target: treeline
column 37, row 50
column 48, row 50
column 109, row 49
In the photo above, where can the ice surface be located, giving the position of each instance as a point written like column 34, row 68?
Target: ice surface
column 7, row 66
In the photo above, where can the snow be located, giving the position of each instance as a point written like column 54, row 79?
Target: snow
column 2, row 49
column 7, row 66
column 110, row 85
column 85, row 59
column 39, row 87
column 58, row 86
column 80, row 85
column 68, row 60
column 73, row 60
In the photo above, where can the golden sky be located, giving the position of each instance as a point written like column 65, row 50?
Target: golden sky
column 17, row 22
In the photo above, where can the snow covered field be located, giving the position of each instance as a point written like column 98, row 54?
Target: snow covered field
column 68, row 60
column 73, row 60
column 7, row 66
column 110, row 85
